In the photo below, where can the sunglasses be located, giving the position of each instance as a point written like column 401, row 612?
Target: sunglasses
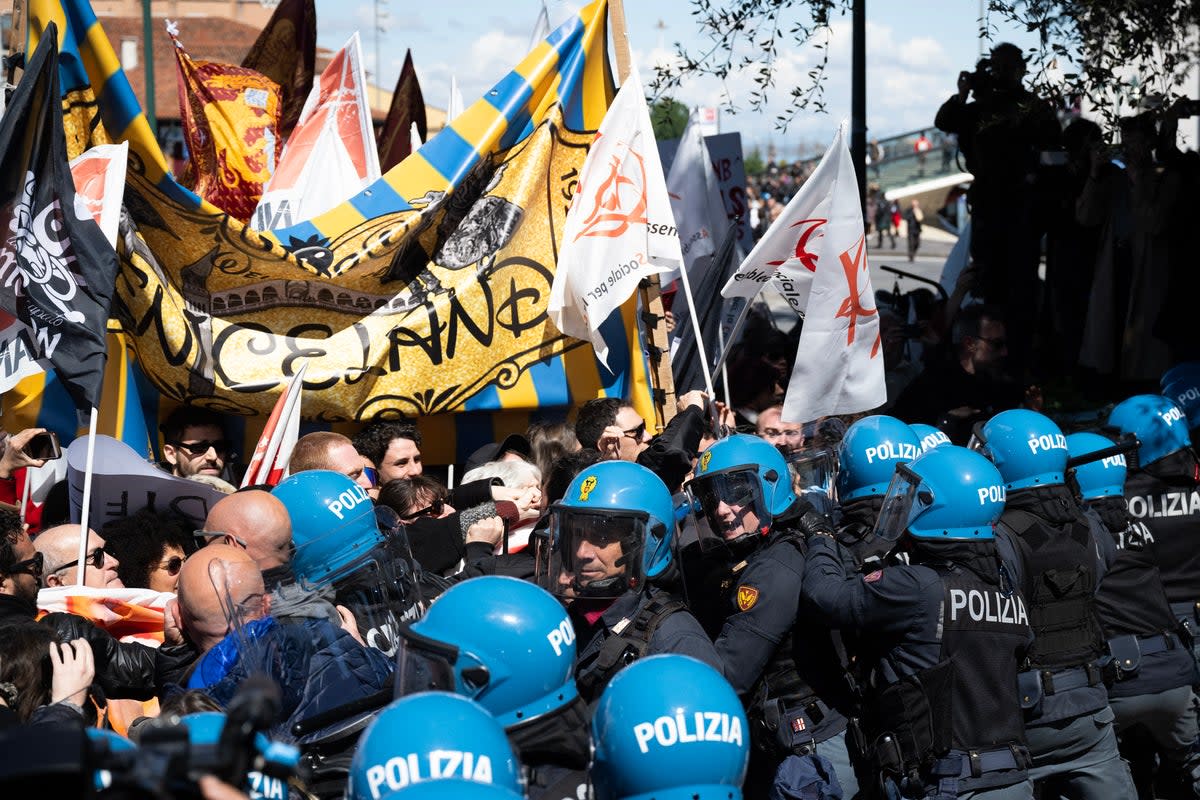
column 94, row 559
column 172, row 565
column 220, row 446
column 30, row 566
column 637, row 434
column 434, row 509
column 372, row 475
column 203, row 536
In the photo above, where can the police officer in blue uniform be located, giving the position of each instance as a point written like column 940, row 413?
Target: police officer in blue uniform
column 610, row 560
column 1162, row 491
column 787, row 669
column 1152, row 696
column 940, row 638
column 1059, row 563
column 867, row 458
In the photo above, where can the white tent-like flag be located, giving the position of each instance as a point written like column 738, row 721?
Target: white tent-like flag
column 620, row 228
column 695, row 198
column 839, row 361
column 455, row 105
column 786, row 255
column 331, row 155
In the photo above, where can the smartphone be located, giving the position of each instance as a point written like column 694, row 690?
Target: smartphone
column 43, row 446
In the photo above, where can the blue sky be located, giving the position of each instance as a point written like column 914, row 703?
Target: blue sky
column 915, row 50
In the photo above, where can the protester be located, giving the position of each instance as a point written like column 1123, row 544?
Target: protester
column 59, row 547
column 150, row 549
column 393, row 448
column 332, row 451
column 195, row 443
column 256, row 522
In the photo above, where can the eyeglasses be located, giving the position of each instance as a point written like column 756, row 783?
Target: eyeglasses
column 220, row 446
column 434, row 509
column 172, row 565
column 638, row 433
column 202, row 534
column 94, row 559
column 30, row 566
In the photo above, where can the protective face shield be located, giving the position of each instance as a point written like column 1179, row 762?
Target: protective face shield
column 595, row 553
column 432, row 736
column 669, row 727
column 612, row 531
column 813, row 473
column 1028, row 448
column 412, row 597
column 946, row 494
column 729, row 507
column 1159, row 425
column 505, row 643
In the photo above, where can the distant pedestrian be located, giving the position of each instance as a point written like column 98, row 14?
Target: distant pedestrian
column 913, row 217
column 883, row 222
column 921, row 147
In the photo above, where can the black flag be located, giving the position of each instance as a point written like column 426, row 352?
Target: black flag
column 57, row 269
column 706, row 288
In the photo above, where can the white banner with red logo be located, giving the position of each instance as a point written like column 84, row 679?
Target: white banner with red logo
column 620, row 228
column 786, row 255
column 331, row 155
column 839, row 362
column 99, row 177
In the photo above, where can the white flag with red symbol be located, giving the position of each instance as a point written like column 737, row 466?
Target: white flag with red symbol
column 786, row 255
column 839, row 362
column 274, row 449
column 620, row 228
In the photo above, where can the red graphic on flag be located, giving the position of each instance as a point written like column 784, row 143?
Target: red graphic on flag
column 809, row 260
column 620, row 200
column 852, row 306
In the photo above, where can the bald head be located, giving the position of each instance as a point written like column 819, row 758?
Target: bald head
column 59, row 547
column 258, row 519
column 216, row 578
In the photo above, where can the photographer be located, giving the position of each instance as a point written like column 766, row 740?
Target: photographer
column 1003, row 133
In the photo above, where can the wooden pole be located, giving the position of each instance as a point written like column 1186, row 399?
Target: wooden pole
column 653, row 317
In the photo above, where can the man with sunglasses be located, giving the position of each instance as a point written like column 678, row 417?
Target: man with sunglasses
column 194, row 443
column 60, row 548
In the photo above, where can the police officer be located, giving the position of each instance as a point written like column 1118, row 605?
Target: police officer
column 1163, row 492
column 453, row 738
column 867, row 460
column 609, row 559
column 669, row 727
column 940, row 637
column 1152, row 696
column 508, row 645
column 786, row 668
column 1059, row 563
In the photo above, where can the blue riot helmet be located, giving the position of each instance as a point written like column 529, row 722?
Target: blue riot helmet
column 948, row 493
column 104, row 745
column 1185, row 393
column 503, row 642
column 610, row 533
column 1186, row 371
column 869, row 453
column 1028, row 448
column 669, row 727
column 333, row 523
column 930, row 436
column 429, row 737
column 740, row 485
column 1159, row 425
column 452, row 789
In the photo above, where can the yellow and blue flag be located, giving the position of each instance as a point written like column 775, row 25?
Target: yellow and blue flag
column 423, row 295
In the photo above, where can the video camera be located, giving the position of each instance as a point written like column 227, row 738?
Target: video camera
column 981, row 81
column 65, row 761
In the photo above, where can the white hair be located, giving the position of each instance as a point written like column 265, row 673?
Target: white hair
column 512, row 474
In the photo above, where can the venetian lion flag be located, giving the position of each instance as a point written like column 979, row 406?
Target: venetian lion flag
column 230, row 121
column 839, row 366
column 620, row 228
column 786, row 255
column 331, row 155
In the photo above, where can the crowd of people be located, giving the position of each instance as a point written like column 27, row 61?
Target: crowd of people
column 736, row 606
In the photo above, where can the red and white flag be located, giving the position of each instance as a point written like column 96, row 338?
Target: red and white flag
column 331, row 155
column 839, row 362
column 620, row 228
column 99, row 177
column 274, row 449
column 786, row 255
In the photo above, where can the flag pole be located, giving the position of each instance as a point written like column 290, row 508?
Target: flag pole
column 87, row 498
column 691, row 304
column 649, row 292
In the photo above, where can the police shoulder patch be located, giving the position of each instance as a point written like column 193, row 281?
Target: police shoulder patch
column 874, row 576
column 747, row 596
